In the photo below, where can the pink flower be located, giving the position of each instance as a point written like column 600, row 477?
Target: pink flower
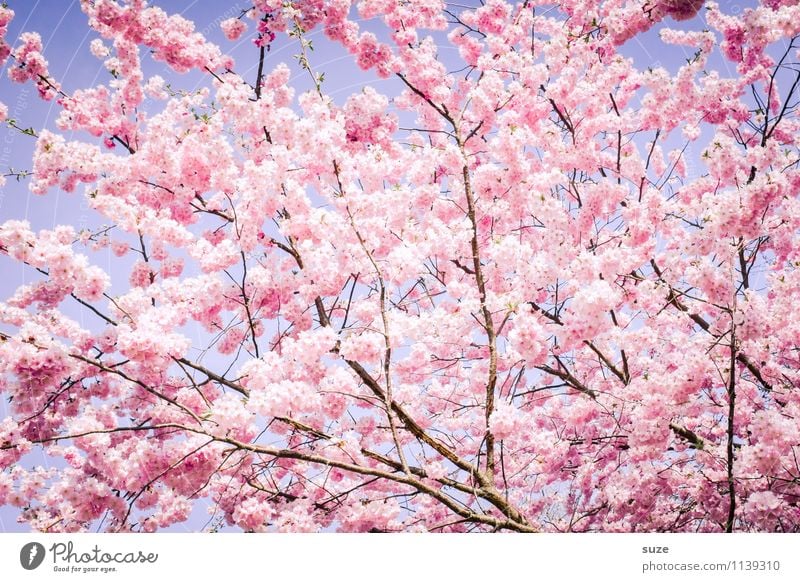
column 119, row 248
column 141, row 274
column 98, row 48
column 156, row 87
column 341, row 307
column 682, row 9
column 233, row 28
column 171, row 267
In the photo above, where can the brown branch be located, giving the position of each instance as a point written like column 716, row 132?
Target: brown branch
column 387, row 354
column 213, row 376
column 246, row 302
column 488, row 322
column 100, row 366
column 260, row 73
column 567, row 377
column 621, row 375
column 688, row 435
column 731, row 434
column 672, row 298
column 515, row 523
column 99, row 431
column 440, row 109
column 561, row 115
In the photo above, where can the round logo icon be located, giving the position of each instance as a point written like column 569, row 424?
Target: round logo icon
column 31, row 555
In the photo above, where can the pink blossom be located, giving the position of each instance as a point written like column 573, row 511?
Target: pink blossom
column 119, row 248
column 500, row 280
column 233, row 28
column 98, row 48
column 682, row 9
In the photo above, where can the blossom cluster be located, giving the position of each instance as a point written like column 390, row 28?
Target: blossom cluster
column 532, row 283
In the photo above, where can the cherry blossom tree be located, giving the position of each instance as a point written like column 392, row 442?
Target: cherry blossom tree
column 505, row 297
